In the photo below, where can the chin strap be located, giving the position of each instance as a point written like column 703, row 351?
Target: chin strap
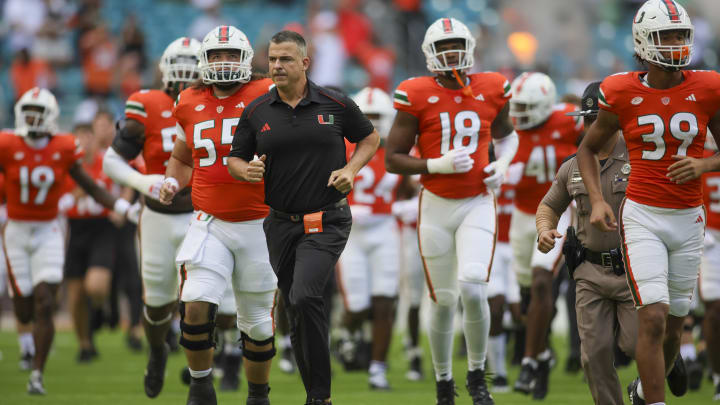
column 465, row 88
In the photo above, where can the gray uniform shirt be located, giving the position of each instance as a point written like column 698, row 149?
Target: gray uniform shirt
column 568, row 185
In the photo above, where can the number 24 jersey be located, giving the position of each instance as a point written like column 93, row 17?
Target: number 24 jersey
column 658, row 124
column 449, row 119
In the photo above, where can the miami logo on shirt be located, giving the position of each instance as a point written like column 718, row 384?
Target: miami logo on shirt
column 326, row 121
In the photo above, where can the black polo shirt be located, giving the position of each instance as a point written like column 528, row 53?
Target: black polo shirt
column 303, row 145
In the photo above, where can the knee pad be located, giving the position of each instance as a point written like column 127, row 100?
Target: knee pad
column 446, row 297
column 679, row 306
column 257, row 355
column 434, row 241
column 209, row 328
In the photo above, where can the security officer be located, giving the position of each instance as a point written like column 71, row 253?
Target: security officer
column 594, row 260
column 299, row 130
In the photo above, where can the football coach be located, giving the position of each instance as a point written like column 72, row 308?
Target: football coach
column 298, row 130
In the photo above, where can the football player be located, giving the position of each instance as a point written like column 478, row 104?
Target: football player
column 369, row 267
column 453, row 115
column 664, row 114
column 225, row 244
column 548, row 137
column 710, row 270
column 36, row 160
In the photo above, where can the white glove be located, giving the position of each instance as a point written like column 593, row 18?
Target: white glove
column 406, row 211
column 154, row 189
column 121, row 207
column 133, row 213
column 66, row 202
column 455, row 161
column 496, row 171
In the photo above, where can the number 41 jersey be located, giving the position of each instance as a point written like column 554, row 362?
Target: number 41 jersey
column 207, row 124
column 449, row 119
column 658, row 124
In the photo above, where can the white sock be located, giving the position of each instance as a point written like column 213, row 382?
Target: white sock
column 544, row 356
column 27, row 344
column 716, row 378
column 640, row 392
column 285, row 341
column 529, row 360
column 440, row 337
column 200, row 374
column 497, row 354
column 377, row 367
column 687, row 351
column 476, row 322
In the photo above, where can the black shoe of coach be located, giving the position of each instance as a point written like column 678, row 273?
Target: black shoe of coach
column 678, row 378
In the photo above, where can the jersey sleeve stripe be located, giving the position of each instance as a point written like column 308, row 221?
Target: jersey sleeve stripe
column 401, row 97
column 134, row 104
column 134, row 111
column 601, row 99
column 506, row 89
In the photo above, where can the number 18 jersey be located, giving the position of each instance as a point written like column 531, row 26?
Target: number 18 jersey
column 658, row 124
column 449, row 119
column 207, row 124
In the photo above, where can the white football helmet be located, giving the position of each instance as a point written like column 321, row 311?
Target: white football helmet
column 179, row 62
column 29, row 122
column 651, row 19
column 225, row 37
column 444, row 29
column 374, row 101
column 533, row 98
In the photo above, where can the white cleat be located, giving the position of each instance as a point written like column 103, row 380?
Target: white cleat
column 35, row 384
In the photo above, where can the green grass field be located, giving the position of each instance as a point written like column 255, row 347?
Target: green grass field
column 116, row 378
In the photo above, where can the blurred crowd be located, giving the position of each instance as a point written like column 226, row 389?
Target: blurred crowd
column 93, row 53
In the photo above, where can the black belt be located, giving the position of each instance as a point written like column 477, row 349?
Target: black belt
column 601, row 258
column 299, row 217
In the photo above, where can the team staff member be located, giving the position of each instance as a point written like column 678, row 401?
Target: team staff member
column 299, row 129
column 602, row 294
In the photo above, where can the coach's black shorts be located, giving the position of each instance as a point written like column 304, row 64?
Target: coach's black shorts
column 92, row 243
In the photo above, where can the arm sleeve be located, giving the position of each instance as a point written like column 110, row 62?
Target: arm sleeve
column 558, row 198
column 356, row 126
column 244, row 142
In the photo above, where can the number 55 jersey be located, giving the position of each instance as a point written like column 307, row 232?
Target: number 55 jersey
column 449, row 119
column 659, row 124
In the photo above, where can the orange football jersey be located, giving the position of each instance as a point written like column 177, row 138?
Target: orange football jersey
column 542, row 151
column 35, row 178
column 658, row 124
column 504, row 212
column 208, row 124
column 86, row 206
column 153, row 109
column 449, row 119
column 711, row 196
column 374, row 187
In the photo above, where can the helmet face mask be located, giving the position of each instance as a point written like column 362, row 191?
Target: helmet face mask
column 179, row 63
column 235, row 66
column 533, row 99
column 663, row 34
column 448, row 45
column 36, row 114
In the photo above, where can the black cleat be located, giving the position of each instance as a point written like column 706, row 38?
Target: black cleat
column 716, row 397
column 230, row 380
column 542, row 378
column 133, row 343
column 526, row 379
column 695, row 374
column 26, row 361
column 500, row 384
column 477, row 388
column 185, row 376
column 446, row 392
column 258, row 394
column 155, row 371
column 202, row 391
column 85, row 356
column 678, row 378
column 632, row 393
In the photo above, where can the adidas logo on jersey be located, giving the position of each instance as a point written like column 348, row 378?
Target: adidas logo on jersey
column 699, row 220
column 691, row 97
column 265, row 127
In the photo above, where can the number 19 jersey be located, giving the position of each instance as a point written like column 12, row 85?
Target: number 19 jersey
column 658, row 124
column 449, row 119
column 207, row 124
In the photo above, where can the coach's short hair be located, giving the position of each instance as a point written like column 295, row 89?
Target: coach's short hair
column 291, row 36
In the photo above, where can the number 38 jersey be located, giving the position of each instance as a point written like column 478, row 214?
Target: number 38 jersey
column 659, row 124
column 207, row 124
column 35, row 178
column 153, row 109
column 374, row 187
column 541, row 151
column 449, row 119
